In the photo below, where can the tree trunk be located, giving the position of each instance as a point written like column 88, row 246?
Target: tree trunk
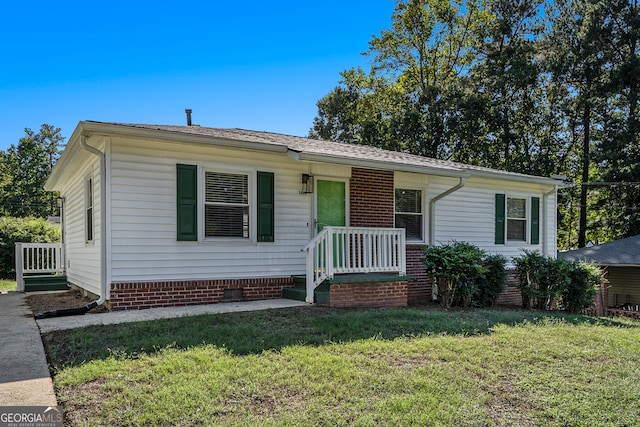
column 586, row 143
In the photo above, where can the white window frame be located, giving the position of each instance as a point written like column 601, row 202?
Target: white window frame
column 251, row 179
column 422, row 214
column 89, row 210
column 526, row 219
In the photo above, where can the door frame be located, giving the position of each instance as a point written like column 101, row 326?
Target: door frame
column 314, row 219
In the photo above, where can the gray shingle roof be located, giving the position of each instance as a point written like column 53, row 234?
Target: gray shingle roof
column 619, row 252
column 339, row 150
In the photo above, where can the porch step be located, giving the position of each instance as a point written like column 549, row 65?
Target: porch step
column 45, row 283
column 299, row 291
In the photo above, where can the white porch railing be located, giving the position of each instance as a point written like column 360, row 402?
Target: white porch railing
column 38, row 258
column 340, row 250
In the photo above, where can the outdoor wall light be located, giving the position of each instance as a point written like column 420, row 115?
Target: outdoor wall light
column 307, row 184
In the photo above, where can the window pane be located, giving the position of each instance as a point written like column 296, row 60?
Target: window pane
column 516, row 229
column 409, row 201
column 516, row 208
column 226, row 221
column 226, row 188
column 412, row 224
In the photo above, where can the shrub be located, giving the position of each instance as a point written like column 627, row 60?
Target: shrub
column 529, row 266
column 541, row 279
column 492, row 282
column 578, row 294
column 544, row 280
column 456, row 268
column 27, row 230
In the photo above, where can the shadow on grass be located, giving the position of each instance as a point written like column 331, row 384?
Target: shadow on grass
column 254, row 332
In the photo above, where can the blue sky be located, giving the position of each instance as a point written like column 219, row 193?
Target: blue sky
column 253, row 64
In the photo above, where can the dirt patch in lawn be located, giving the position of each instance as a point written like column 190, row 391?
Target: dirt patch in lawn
column 42, row 302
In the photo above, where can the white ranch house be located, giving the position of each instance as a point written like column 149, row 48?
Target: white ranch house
column 159, row 215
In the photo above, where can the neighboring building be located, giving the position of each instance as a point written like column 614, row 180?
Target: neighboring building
column 171, row 215
column 621, row 262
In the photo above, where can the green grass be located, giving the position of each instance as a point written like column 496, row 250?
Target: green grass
column 7, row 285
column 315, row 366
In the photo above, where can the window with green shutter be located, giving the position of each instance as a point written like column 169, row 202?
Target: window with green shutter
column 500, row 226
column 187, row 202
column 512, row 224
column 265, row 214
column 535, row 220
column 226, row 206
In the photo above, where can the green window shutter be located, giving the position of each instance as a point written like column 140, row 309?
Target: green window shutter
column 266, row 217
column 187, row 202
column 500, row 218
column 535, row 220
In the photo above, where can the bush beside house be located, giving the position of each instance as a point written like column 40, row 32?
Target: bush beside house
column 466, row 275
column 26, row 230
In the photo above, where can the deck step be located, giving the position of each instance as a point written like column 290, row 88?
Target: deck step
column 45, row 283
column 299, row 291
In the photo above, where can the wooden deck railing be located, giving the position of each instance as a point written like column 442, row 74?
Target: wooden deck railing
column 341, row 250
column 38, row 258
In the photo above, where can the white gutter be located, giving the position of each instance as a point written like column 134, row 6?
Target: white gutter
column 103, row 216
column 545, row 240
column 432, row 209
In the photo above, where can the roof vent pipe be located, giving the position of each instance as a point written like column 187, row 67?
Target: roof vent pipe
column 188, row 111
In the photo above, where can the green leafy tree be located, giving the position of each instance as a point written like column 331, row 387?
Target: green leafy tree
column 25, row 169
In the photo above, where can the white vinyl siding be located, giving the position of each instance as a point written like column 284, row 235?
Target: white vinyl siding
column 143, row 216
column 469, row 214
column 82, row 259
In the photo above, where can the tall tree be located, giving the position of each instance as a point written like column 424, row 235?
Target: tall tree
column 405, row 100
column 619, row 151
column 26, row 168
column 577, row 57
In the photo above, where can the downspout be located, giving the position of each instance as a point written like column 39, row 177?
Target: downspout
column 432, row 225
column 545, row 240
column 432, row 209
column 103, row 242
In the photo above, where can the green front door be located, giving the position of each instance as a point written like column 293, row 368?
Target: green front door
column 331, row 204
column 331, row 199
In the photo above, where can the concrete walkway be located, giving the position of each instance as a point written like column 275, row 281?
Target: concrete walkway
column 72, row 322
column 24, row 372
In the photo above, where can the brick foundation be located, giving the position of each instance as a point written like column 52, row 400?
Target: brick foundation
column 141, row 295
column 511, row 295
column 378, row 294
column 419, row 288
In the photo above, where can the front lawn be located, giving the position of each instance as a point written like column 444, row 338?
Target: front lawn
column 7, row 285
column 317, row 366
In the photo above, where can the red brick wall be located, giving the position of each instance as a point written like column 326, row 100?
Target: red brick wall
column 128, row 296
column 511, row 295
column 419, row 288
column 382, row 294
column 371, row 198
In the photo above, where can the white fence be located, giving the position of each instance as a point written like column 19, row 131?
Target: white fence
column 340, row 250
column 38, row 258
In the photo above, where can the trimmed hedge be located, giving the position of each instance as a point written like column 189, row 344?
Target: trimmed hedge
column 25, row 230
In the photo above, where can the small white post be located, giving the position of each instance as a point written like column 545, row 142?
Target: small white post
column 19, row 266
